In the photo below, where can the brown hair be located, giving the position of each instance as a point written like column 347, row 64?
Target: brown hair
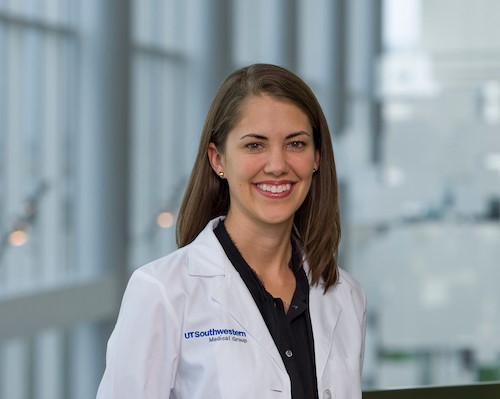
column 317, row 221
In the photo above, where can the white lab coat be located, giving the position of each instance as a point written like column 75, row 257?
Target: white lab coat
column 189, row 328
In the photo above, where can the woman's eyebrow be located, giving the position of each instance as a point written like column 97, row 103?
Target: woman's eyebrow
column 261, row 137
column 253, row 136
column 299, row 133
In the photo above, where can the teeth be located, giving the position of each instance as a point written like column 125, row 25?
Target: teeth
column 275, row 189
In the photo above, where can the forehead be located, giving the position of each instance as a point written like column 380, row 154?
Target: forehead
column 265, row 112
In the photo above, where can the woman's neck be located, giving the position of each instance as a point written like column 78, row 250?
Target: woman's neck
column 266, row 248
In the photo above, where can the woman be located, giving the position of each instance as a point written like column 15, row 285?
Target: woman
column 253, row 304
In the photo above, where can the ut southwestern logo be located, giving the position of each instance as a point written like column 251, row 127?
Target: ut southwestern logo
column 215, row 334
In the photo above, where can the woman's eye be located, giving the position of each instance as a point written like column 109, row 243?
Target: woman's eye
column 297, row 144
column 253, row 146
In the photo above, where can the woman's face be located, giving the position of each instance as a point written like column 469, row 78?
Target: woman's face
column 268, row 161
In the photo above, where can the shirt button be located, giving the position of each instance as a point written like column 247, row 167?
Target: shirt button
column 327, row 394
column 288, row 353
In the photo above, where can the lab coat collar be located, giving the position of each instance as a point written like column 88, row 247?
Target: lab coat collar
column 325, row 311
column 234, row 296
column 205, row 253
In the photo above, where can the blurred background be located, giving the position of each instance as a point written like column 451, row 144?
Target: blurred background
column 101, row 106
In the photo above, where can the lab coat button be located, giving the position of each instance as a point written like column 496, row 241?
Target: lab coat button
column 288, row 353
column 327, row 394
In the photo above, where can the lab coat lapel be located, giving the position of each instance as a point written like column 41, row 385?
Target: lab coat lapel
column 234, row 296
column 325, row 311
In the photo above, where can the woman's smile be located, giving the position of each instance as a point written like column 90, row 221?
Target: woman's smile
column 275, row 189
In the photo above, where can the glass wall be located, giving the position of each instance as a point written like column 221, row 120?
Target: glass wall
column 158, row 104
column 38, row 91
column 38, row 70
column 425, row 223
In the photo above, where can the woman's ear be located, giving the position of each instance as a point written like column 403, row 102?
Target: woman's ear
column 316, row 160
column 215, row 158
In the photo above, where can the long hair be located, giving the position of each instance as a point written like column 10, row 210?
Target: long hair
column 317, row 221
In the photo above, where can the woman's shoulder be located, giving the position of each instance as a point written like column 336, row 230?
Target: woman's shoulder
column 159, row 277
column 350, row 286
column 200, row 257
column 347, row 279
column 165, row 264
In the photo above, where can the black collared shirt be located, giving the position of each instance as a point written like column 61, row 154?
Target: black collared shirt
column 291, row 331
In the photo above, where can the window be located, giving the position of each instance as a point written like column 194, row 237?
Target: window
column 158, row 138
column 425, row 226
column 38, row 81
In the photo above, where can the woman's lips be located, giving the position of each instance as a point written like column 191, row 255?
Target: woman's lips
column 275, row 190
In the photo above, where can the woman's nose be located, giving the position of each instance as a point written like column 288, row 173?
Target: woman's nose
column 276, row 162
